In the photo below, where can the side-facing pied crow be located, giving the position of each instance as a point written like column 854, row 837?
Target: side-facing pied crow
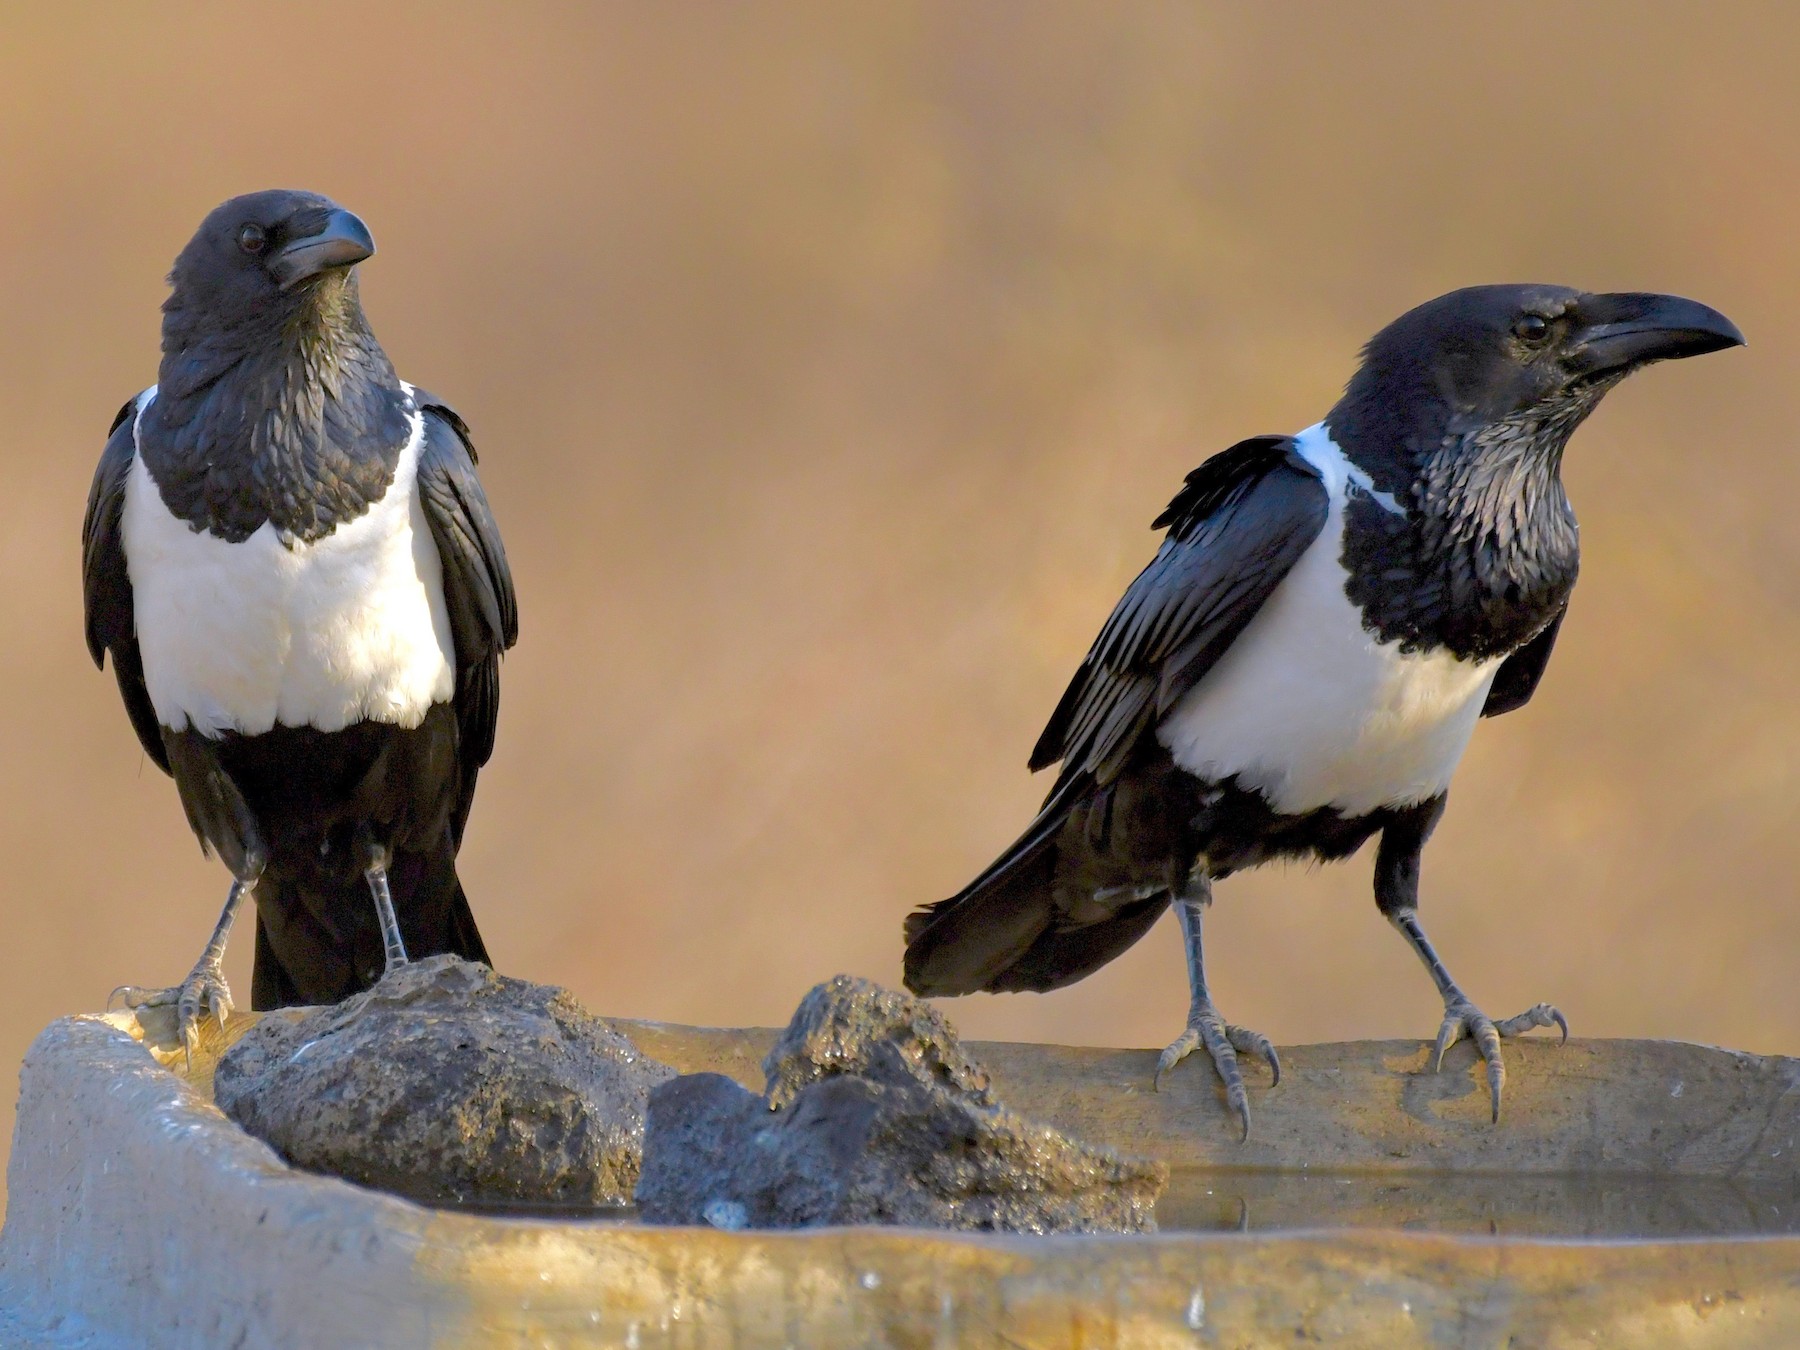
column 1301, row 665
column 291, row 563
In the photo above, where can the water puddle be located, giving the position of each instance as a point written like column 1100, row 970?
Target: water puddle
column 1532, row 1205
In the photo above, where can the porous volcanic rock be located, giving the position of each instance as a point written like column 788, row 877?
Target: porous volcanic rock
column 874, row 1114
column 853, row 1026
column 448, row 1083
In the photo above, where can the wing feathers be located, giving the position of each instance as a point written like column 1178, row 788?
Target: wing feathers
column 1236, row 528
column 1517, row 679
column 109, row 619
column 478, row 587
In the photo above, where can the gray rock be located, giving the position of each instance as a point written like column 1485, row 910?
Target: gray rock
column 874, row 1114
column 448, row 1083
column 852, row 1025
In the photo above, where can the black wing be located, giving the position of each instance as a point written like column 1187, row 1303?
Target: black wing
column 1235, row 530
column 106, row 585
column 478, row 587
column 1517, row 679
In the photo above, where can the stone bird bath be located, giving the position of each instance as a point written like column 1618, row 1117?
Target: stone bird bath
column 1635, row 1193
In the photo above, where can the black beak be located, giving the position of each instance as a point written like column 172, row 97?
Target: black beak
column 343, row 241
column 1628, row 329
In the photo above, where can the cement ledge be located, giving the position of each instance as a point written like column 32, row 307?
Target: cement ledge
column 140, row 1217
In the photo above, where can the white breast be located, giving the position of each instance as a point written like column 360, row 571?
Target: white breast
column 1308, row 707
column 238, row 637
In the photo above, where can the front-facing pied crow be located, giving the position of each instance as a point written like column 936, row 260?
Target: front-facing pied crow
column 291, row 563
column 1302, row 663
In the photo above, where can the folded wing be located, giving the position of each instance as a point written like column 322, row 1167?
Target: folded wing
column 1236, row 529
column 110, row 620
column 478, row 586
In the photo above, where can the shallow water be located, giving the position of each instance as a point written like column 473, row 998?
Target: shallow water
column 1581, row 1205
column 1618, row 1207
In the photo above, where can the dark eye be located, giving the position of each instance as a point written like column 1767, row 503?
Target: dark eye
column 251, row 238
column 1531, row 328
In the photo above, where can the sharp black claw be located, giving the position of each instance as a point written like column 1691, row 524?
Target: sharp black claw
column 1562, row 1022
column 1444, row 1042
column 1238, row 1101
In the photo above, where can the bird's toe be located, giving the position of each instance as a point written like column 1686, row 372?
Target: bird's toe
column 203, row 995
column 1225, row 1060
column 1541, row 1015
column 1223, row 1043
column 1462, row 1018
column 132, row 996
column 1179, row 1049
column 1451, row 1031
column 204, row 992
column 1248, row 1042
column 1489, row 1041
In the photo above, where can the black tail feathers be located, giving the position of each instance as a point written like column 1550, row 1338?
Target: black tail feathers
column 1007, row 931
column 961, row 945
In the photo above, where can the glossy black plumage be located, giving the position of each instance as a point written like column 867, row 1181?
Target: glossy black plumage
column 1238, row 524
column 110, row 624
column 478, row 587
column 290, row 412
column 1448, row 577
column 277, row 407
column 1119, row 812
column 306, row 801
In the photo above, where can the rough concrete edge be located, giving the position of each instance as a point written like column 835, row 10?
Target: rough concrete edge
column 898, row 1287
column 140, row 1216
column 131, row 1198
column 1371, row 1106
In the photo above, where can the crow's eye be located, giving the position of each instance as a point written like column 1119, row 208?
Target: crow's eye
column 1531, row 328
column 251, row 238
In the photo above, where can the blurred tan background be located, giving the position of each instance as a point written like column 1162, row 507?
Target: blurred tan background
column 829, row 364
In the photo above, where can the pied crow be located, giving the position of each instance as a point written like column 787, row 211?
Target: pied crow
column 1301, row 665
column 291, row 563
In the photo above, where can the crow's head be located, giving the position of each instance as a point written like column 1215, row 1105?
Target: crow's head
column 1496, row 352
column 265, row 260
column 1510, row 364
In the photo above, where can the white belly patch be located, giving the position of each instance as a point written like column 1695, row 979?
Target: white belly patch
column 239, row 637
column 1310, row 709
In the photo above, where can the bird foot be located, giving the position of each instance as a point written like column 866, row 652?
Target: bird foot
column 1223, row 1042
column 204, row 991
column 1462, row 1018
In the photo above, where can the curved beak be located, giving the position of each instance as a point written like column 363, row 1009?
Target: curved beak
column 342, row 241
column 1627, row 329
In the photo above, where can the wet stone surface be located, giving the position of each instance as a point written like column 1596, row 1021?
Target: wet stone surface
column 873, row 1113
column 449, row 1084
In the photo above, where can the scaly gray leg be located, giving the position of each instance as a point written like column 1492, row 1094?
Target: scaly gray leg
column 1204, row 1024
column 391, row 941
column 1397, row 893
column 204, row 990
